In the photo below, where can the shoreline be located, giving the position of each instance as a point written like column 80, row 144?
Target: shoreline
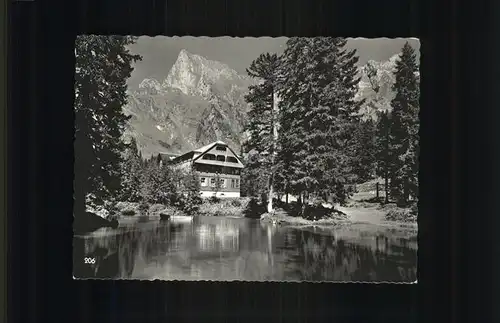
column 290, row 221
column 286, row 220
column 356, row 212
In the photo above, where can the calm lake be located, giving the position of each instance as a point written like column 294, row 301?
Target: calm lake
column 218, row 248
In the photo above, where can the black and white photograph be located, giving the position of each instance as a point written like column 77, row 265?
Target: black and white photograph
column 246, row 159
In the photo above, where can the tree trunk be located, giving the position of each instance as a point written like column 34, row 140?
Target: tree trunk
column 405, row 193
column 386, row 166
column 386, row 186
column 304, row 201
column 270, row 199
column 273, row 150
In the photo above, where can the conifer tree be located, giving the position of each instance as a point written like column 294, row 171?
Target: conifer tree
column 262, row 126
column 298, row 93
column 131, row 173
column 318, row 115
column 404, row 127
column 254, row 181
column 159, row 184
column 383, row 153
column 354, row 134
column 103, row 64
column 190, row 195
column 364, row 157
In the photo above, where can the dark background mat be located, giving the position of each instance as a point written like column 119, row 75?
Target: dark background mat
column 457, row 163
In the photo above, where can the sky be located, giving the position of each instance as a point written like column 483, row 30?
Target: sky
column 160, row 53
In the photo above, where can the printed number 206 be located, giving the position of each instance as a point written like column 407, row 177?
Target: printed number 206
column 89, row 260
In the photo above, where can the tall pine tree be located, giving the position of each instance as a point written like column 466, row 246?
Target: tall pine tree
column 131, row 172
column 254, row 181
column 353, row 132
column 262, row 127
column 364, row 146
column 103, row 64
column 318, row 116
column 296, row 94
column 404, row 127
column 384, row 154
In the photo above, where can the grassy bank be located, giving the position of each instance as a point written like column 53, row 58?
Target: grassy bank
column 365, row 199
column 362, row 208
column 399, row 214
column 209, row 207
column 130, row 209
column 282, row 217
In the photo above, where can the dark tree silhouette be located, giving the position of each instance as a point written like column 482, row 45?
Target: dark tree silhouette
column 103, row 64
column 262, row 126
column 404, row 127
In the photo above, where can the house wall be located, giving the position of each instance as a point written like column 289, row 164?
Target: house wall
column 208, row 169
column 231, row 183
column 220, row 194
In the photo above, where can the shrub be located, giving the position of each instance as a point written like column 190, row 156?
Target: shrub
column 191, row 204
column 401, row 215
column 214, row 199
column 211, row 209
column 253, row 209
column 236, row 203
column 128, row 212
column 156, row 209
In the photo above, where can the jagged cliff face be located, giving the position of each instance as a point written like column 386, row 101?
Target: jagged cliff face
column 378, row 92
column 200, row 101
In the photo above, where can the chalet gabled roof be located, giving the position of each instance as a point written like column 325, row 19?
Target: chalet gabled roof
column 208, row 147
column 197, row 153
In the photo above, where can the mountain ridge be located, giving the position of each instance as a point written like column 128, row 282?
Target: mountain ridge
column 201, row 101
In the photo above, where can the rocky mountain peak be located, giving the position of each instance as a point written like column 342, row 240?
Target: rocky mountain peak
column 200, row 101
column 193, row 74
column 150, row 86
column 377, row 90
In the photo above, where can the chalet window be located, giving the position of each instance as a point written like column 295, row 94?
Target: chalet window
column 222, row 182
column 233, row 183
column 209, row 156
column 237, row 183
column 203, row 181
column 221, row 148
column 221, row 158
column 232, row 159
column 212, row 182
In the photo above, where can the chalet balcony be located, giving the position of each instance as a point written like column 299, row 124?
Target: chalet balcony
column 214, row 169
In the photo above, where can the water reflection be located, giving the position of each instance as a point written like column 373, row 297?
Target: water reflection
column 245, row 249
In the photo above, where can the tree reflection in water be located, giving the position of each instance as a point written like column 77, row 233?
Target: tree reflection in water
column 243, row 249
